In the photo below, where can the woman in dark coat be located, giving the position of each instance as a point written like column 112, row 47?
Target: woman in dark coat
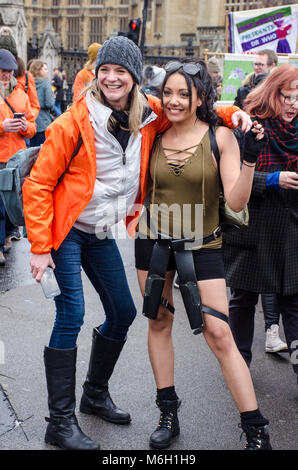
column 39, row 70
column 263, row 258
column 57, row 82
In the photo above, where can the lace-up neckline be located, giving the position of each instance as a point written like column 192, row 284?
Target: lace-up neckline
column 177, row 165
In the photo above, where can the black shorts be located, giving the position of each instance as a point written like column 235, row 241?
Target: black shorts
column 208, row 262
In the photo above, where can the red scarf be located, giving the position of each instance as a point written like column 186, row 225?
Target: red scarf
column 282, row 149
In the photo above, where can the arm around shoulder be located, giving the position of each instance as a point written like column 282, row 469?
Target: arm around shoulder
column 161, row 123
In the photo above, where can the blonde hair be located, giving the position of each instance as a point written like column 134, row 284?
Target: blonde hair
column 90, row 65
column 248, row 79
column 137, row 105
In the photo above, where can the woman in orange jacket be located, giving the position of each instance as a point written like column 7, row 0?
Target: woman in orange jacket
column 26, row 83
column 13, row 130
column 87, row 74
column 69, row 226
column 25, row 80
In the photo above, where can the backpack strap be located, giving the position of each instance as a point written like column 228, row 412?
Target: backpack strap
column 215, row 150
column 8, row 104
column 26, row 82
column 74, row 153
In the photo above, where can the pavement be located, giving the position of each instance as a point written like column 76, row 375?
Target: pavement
column 208, row 417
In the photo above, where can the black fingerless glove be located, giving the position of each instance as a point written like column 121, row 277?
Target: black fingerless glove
column 253, row 147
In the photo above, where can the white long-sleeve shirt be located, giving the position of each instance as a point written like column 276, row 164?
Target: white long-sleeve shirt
column 117, row 173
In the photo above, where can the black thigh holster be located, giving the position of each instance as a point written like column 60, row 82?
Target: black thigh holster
column 156, row 278
column 188, row 285
column 188, row 282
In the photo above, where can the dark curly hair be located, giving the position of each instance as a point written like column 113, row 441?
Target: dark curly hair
column 204, row 88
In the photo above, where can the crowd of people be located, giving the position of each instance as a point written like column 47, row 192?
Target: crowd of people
column 154, row 125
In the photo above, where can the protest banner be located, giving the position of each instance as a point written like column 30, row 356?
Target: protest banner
column 267, row 28
column 236, row 68
column 293, row 60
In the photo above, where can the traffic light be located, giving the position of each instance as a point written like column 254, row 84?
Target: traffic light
column 134, row 29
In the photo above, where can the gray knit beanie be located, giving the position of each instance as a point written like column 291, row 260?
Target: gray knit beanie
column 121, row 51
column 7, row 42
column 213, row 65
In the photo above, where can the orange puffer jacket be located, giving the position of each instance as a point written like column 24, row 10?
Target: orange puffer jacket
column 50, row 212
column 11, row 142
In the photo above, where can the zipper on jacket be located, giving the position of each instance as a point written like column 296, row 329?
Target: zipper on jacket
column 123, row 158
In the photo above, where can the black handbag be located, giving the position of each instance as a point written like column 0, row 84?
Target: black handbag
column 229, row 220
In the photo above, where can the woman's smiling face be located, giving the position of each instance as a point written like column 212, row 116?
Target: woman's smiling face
column 176, row 99
column 116, row 84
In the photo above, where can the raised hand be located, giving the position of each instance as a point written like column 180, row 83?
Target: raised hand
column 254, row 142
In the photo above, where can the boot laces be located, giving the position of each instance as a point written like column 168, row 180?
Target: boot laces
column 254, row 437
column 165, row 420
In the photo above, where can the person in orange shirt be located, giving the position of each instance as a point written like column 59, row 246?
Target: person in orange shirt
column 13, row 128
column 25, row 79
column 85, row 75
column 26, row 82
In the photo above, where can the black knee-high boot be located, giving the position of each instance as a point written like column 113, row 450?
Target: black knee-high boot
column 63, row 429
column 96, row 398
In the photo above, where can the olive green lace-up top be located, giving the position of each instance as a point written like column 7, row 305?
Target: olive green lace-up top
column 185, row 195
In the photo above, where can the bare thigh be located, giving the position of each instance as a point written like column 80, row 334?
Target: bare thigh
column 216, row 331
column 214, row 294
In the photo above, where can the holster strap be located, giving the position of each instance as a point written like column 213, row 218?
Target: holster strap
column 215, row 313
column 167, row 305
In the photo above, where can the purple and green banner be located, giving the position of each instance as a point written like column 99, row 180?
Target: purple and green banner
column 269, row 28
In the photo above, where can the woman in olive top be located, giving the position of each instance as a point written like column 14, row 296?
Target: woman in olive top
column 184, row 173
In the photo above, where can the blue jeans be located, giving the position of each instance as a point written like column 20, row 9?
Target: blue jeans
column 103, row 265
column 57, row 108
column 38, row 139
column 6, row 227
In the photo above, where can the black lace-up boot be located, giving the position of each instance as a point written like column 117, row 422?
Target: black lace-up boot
column 257, row 437
column 96, row 398
column 168, row 426
column 63, row 429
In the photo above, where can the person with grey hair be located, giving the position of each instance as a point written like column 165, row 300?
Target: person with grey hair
column 214, row 71
column 153, row 78
column 266, row 60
